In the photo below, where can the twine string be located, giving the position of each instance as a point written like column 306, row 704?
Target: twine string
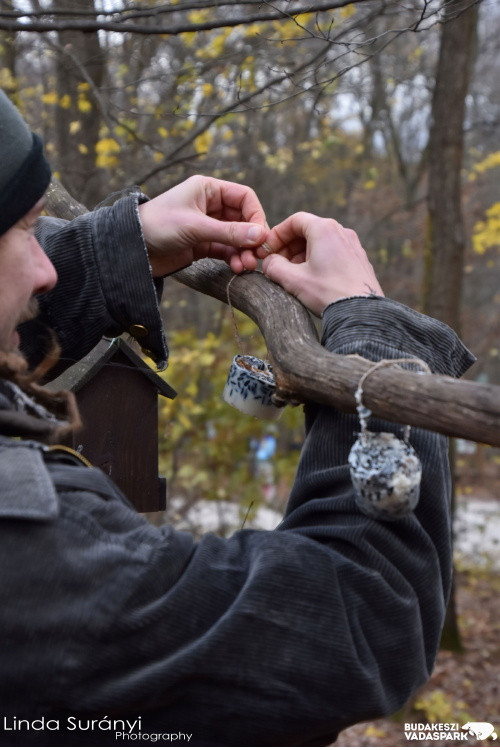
column 364, row 413
column 233, row 316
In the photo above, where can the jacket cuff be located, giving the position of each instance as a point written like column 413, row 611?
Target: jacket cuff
column 131, row 293
column 377, row 327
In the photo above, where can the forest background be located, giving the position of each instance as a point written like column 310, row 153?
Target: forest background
column 383, row 115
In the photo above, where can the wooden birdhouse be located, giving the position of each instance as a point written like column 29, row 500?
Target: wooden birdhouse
column 117, row 394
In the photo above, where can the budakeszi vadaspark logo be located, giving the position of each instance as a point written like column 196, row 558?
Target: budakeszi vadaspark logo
column 479, row 730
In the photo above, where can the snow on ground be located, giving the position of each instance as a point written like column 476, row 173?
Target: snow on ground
column 477, row 531
column 477, row 524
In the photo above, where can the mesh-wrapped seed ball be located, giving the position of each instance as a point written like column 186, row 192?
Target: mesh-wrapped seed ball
column 385, row 473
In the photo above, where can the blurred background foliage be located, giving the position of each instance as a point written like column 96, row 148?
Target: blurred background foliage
column 206, row 446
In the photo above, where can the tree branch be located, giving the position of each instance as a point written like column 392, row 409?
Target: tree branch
column 124, row 26
column 236, row 104
column 305, row 371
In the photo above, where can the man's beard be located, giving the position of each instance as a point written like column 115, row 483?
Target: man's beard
column 14, row 368
column 13, row 362
column 32, row 310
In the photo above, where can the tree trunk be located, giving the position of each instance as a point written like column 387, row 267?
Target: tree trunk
column 446, row 237
column 446, row 240
column 80, row 73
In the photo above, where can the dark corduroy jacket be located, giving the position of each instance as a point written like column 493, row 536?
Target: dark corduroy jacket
column 278, row 637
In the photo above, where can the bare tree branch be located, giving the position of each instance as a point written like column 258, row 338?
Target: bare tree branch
column 305, row 371
column 123, row 25
column 236, row 104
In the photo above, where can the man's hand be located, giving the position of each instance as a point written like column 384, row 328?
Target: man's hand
column 318, row 261
column 203, row 218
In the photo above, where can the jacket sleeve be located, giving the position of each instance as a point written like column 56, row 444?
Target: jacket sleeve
column 104, row 288
column 272, row 638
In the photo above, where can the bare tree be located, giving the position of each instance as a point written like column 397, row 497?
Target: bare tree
column 446, row 235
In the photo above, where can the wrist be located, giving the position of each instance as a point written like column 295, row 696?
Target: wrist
column 372, row 295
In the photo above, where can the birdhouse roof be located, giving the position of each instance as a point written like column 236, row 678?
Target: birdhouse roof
column 83, row 371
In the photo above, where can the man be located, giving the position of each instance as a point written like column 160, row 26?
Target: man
column 109, row 625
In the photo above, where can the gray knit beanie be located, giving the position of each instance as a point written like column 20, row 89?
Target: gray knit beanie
column 24, row 171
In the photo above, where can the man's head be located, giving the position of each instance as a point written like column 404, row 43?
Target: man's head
column 25, row 270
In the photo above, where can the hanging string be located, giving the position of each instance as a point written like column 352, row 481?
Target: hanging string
column 364, row 412
column 233, row 316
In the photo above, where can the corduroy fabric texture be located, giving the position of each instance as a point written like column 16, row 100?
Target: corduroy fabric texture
column 269, row 638
column 24, row 171
column 105, row 284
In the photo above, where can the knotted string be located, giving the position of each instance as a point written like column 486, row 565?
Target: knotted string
column 364, row 412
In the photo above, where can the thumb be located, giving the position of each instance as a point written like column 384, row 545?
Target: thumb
column 233, row 233
column 283, row 272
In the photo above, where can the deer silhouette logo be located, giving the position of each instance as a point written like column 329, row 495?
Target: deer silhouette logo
column 481, row 730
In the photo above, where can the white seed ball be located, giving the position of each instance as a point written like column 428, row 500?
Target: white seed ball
column 385, row 473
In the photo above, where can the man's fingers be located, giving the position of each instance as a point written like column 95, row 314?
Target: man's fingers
column 294, row 227
column 237, row 234
column 290, row 237
column 283, row 272
column 229, row 200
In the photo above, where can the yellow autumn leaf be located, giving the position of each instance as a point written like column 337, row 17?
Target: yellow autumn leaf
column 281, row 160
column 254, row 29
column 82, row 148
column 121, row 132
column 486, row 233
column 84, row 105
column 215, row 47
column 206, row 359
column 203, row 142
column 107, row 145
column 184, row 421
column 369, row 184
column 106, row 150
column 207, row 89
column 188, row 37
column 65, row 101
column 490, row 162
column 162, row 131
column 74, row 127
column 105, row 161
column 50, row 98
column 198, row 16
column 303, row 18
